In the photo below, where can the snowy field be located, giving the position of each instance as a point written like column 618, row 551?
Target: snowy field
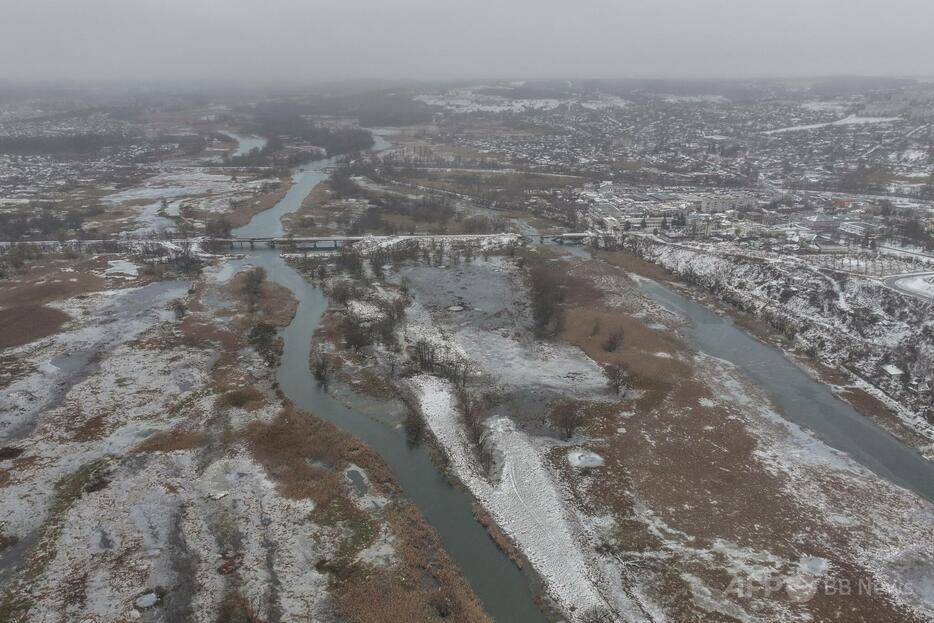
column 850, row 120
column 465, row 101
column 162, row 534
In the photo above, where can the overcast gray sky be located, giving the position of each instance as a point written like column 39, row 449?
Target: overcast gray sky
column 338, row 39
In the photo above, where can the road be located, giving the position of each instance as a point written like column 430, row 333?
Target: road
column 919, row 285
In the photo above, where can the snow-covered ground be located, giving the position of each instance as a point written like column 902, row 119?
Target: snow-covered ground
column 527, row 493
column 491, row 330
column 122, row 268
column 895, row 527
column 850, row 120
column 922, row 285
column 469, row 101
column 526, row 501
column 482, row 242
column 150, row 221
column 176, row 183
column 204, row 189
column 102, row 321
column 149, row 534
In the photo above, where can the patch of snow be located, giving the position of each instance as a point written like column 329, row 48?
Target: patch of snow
column 850, row 120
column 364, row 310
column 122, row 268
column 583, row 458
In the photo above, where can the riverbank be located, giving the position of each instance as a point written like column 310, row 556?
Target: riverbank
column 846, row 385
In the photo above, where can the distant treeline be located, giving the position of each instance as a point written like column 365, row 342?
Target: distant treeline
column 72, row 144
column 372, row 108
column 278, row 118
column 43, row 224
column 529, row 92
column 638, row 89
column 85, row 144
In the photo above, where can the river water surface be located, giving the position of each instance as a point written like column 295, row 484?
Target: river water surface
column 247, row 143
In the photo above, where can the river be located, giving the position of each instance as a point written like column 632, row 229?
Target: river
column 800, row 398
column 503, row 590
column 246, row 143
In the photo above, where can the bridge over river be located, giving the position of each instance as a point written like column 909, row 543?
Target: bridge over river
column 303, row 242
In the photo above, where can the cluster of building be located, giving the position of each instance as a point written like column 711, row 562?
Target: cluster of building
column 812, row 222
column 872, row 143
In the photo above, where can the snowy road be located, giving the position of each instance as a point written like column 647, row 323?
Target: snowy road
column 920, row 285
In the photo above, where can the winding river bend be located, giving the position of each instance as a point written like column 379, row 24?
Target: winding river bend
column 801, row 399
column 502, row 589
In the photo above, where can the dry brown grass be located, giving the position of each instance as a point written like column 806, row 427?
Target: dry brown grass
column 276, row 304
column 695, row 464
column 588, row 323
column 172, row 440
column 7, row 541
column 13, row 368
column 318, row 206
column 20, row 469
column 301, row 453
column 498, row 536
column 304, row 455
column 89, row 429
column 869, row 406
column 633, row 264
column 248, row 398
column 235, row 608
column 200, row 332
column 241, row 215
column 369, row 381
column 589, row 329
column 46, row 282
column 27, row 323
column 554, row 263
column 424, row 585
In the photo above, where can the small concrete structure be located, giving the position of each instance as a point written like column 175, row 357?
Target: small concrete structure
column 893, row 372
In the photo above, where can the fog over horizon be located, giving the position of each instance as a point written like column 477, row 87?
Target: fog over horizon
column 312, row 41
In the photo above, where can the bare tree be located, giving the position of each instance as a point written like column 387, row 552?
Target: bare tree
column 252, row 287
column 546, row 295
column 356, row 334
column 567, row 417
column 617, row 377
column 178, row 306
column 414, row 425
column 185, row 258
column 597, row 614
column 613, row 341
column 321, row 366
